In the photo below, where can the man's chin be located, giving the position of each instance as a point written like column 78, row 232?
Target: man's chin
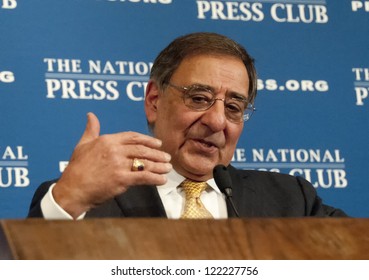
column 199, row 169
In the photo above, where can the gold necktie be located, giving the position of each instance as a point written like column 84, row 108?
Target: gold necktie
column 194, row 209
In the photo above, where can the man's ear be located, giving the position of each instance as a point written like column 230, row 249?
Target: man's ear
column 151, row 99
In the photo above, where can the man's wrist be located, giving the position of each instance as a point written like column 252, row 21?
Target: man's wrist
column 52, row 210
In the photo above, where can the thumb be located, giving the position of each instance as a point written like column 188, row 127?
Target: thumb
column 92, row 130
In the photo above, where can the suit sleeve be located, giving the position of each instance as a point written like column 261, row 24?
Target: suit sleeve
column 313, row 203
column 35, row 207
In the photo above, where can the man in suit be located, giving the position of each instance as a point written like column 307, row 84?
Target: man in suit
column 201, row 91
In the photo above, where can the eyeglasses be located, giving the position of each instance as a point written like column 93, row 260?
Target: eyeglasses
column 237, row 108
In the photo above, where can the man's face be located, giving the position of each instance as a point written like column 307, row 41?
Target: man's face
column 198, row 140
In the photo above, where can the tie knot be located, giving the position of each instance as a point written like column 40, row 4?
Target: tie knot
column 193, row 189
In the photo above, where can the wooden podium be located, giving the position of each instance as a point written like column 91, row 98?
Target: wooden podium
column 143, row 239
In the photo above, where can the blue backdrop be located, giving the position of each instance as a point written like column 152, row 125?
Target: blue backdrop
column 62, row 59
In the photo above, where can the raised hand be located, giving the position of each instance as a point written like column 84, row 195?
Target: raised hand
column 101, row 167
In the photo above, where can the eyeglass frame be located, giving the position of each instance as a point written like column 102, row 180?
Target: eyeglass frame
column 249, row 108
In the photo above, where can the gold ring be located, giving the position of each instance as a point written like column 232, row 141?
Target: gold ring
column 137, row 165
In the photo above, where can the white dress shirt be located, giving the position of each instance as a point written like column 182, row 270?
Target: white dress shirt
column 172, row 196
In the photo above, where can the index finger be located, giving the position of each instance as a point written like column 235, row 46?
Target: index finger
column 135, row 138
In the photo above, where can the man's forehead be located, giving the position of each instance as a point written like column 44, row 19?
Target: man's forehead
column 218, row 76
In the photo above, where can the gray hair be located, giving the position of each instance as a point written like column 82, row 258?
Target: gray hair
column 192, row 44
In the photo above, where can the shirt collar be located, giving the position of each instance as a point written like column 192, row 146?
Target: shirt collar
column 174, row 180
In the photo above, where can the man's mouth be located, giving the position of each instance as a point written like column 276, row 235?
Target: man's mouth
column 205, row 144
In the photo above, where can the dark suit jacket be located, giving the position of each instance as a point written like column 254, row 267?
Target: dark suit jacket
column 255, row 194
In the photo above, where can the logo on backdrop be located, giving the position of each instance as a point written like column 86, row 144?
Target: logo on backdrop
column 361, row 85
column 13, row 167
column 96, row 79
column 323, row 168
column 63, row 165
column 6, row 77
column 8, row 4
column 360, row 5
column 280, row 11
column 143, row 1
column 293, row 85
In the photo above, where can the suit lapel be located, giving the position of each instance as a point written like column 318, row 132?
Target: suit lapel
column 137, row 201
column 244, row 193
column 141, row 201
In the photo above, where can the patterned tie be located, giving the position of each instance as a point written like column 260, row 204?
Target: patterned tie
column 194, row 209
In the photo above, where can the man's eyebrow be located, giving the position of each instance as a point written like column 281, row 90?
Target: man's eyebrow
column 237, row 95
column 232, row 94
column 203, row 86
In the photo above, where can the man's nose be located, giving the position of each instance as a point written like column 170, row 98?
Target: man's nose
column 215, row 117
